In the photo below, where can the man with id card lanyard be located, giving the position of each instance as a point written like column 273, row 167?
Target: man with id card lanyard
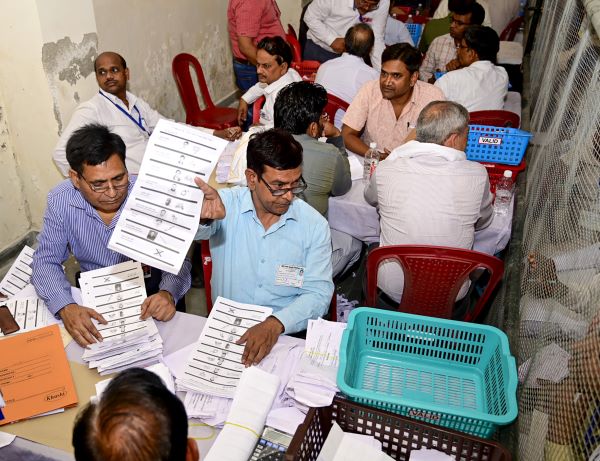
column 268, row 247
column 122, row 112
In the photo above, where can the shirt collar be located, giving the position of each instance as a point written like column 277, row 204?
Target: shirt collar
column 284, row 80
column 247, row 205
column 131, row 98
column 413, row 149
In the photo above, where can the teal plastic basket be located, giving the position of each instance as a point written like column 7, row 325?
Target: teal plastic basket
column 415, row 31
column 497, row 144
column 453, row 374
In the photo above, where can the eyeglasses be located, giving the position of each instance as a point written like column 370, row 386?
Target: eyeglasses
column 458, row 47
column 297, row 189
column 369, row 5
column 118, row 183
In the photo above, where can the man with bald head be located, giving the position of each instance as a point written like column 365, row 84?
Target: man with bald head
column 121, row 111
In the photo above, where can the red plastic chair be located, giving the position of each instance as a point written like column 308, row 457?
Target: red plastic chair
column 511, row 29
column 207, row 270
column 333, row 105
column 212, row 116
column 306, row 69
column 433, row 276
column 502, row 118
column 291, row 31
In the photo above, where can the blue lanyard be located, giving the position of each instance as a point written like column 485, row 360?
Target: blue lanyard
column 139, row 122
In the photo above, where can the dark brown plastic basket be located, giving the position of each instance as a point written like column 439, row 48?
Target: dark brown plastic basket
column 398, row 435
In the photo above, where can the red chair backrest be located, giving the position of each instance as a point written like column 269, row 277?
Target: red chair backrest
column 185, row 84
column 256, row 107
column 511, row 29
column 207, row 271
column 502, row 118
column 333, row 105
column 295, row 44
column 291, row 31
column 433, row 276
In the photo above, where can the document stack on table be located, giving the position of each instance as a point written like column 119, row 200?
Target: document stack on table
column 18, row 276
column 117, row 292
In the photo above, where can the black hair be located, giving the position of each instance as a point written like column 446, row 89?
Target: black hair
column 278, row 47
column 93, row 144
column 484, row 41
column 359, row 41
column 298, row 105
column 137, row 418
column 121, row 58
column 409, row 55
column 473, row 8
column 275, row 148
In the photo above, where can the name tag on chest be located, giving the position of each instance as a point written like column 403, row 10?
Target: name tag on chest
column 289, row 275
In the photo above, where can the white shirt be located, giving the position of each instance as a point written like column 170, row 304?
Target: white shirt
column 443, row 11
column 101, row 109
column 481, row 86
column 396, row 32
column 270, row 93
column 343, row 77
column 427, row 194
column 330, row 19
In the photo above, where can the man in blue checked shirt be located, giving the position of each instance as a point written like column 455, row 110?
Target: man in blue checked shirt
column 81, row 215
column 268, row 247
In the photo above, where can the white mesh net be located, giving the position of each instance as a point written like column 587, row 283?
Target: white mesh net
column 559, row 332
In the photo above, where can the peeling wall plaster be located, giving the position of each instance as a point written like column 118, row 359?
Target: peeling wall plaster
column 65, row 61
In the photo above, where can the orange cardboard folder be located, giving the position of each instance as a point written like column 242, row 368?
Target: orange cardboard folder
column 35, row 377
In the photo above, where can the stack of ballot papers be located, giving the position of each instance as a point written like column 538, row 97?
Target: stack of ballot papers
column 342, row 446
column 117, row 292
column 314, row 384
column 215, row 365
column 19, row 274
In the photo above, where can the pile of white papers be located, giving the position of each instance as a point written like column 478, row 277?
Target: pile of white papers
column 314, row 382
column 19, row 274
column 160, row 218
column 215, row 365
column 117, row 292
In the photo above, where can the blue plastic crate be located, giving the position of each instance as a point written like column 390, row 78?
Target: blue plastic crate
column 438, row 74
column 415, row 30
column 497, row 144
column 453, row 374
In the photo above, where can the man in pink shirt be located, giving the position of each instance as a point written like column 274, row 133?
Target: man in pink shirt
column 249, row 22
column 385, row 111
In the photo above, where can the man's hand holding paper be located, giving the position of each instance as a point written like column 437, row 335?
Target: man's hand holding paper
column 160, row 306
column 78, row 322
column 212, row 205
column 259, row 340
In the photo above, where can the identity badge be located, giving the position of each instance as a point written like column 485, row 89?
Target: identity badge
column 289, row 275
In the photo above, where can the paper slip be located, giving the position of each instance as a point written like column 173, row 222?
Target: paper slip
column 210, row 409
column 35, row 376
column 551, row 363
column 29, row 313
column 430, row 454
column 117, row 292
column 6, row 439
column 158, row 369
column 323, row 339
column 340, row 446
column 161, row 215
column 19, row 274
column 215, row 365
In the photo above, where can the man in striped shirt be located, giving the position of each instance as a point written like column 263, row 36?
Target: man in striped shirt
column 81, row 215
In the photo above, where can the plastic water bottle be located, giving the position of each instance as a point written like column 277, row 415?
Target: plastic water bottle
column 504, row 191
column 409, row 20
column 371, row 162
column 419, row 10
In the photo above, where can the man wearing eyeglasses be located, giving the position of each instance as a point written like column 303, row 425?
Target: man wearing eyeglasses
column 441, row 55
column 80, row 217
column 328, row 21
column 122, row 112
column 269, row 248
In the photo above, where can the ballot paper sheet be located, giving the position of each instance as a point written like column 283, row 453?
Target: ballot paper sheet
column 29, row 313
column 161, row 215
column 117, row 292
column 215, row 365
column 19, row 274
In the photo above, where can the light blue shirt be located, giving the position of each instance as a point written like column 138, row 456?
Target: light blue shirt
column 247, row 258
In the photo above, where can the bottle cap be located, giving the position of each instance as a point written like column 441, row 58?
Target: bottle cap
column 373, row 145
column 507, row 173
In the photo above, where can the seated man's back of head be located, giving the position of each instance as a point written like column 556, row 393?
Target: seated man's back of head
column 137, row 418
